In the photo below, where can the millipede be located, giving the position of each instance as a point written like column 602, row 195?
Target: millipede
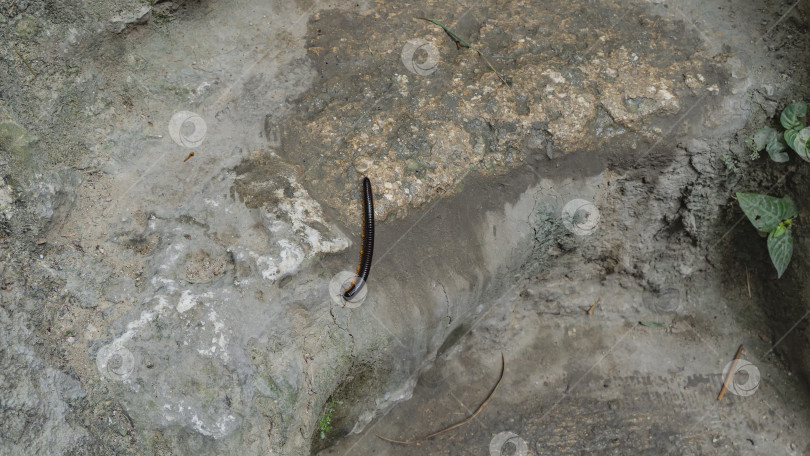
column 367, row 243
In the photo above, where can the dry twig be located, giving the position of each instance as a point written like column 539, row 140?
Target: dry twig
column 27, row 65
column 460, row 423
column 461, row 42
column 748, row 281
column 730, row 373
column 593, row 307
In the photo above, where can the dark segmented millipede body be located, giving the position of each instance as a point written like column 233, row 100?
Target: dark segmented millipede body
column 367, row 244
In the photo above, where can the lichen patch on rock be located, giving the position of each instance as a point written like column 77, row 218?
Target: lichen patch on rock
column 416, row 135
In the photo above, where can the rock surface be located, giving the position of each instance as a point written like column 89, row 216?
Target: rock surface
column 180, row 202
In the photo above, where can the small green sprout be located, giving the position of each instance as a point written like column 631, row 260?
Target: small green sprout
column 325, row 421
column 729, row 162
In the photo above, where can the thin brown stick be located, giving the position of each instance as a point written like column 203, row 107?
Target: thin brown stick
column 25, row 62
column 730, row 373
column 748, row 281
column 460, row 423
column 461, row 42
column 189, row 156
column 593, row 307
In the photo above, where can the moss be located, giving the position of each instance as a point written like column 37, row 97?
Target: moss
column 15, row 139
column 362, row 381
column 27, row 26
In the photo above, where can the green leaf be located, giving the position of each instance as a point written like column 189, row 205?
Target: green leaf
column 781, row 249
column 763, row 137
column 766, row 212
column 780, row 230
column 790, row 136
column 776, row 150
column 801, row 144
column 790, row 116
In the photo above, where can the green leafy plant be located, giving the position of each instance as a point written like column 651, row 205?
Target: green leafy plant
column 325, row 420
column 729, row 162
column 773, row 216
column 796, row 135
